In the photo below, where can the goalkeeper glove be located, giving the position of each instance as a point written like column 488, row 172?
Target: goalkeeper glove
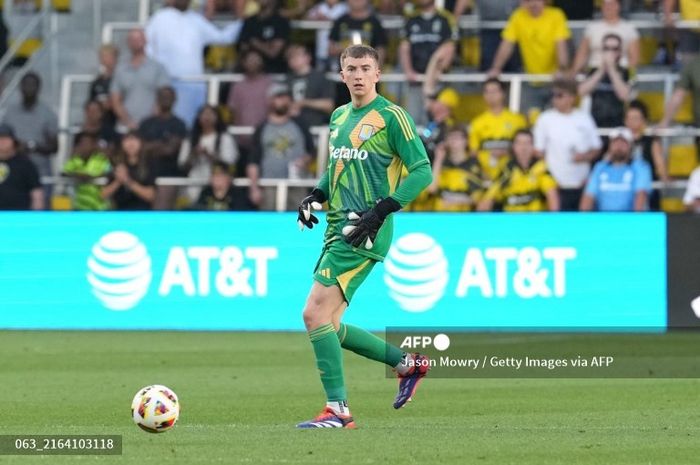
column 363, row 226
column 312, row 202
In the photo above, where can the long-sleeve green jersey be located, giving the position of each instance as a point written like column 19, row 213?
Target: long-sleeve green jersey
column 368, row 149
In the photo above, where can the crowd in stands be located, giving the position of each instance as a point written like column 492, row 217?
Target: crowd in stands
column 144, row 119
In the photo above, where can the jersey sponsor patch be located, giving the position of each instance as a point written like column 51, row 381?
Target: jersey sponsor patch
column 366, row 131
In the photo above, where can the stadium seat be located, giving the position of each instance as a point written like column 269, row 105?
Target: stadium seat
column 29, row 47
column 649, row 47
column 672, row 205
column 470, row 106
column 470, row 48
column 682, row 159
column 655, row 103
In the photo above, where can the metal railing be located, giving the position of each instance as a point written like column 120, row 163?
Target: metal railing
column 470, row 23
column 214, row 82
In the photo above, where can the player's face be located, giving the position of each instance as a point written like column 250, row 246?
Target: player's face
column 360, row 75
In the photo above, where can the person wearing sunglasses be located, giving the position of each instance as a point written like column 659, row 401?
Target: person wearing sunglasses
column 609, row 86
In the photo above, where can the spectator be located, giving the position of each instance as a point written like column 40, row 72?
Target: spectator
column 441, row 107
column 131, row 186
column 86, row 165
column 313, row 93
column 220, row 194
column 267, row 33
column 283, row 146
column 689, row 43
column 525, row 185
column 135, row 83
column 162, row 136
column 647, row 148
column 326, row 10
column 458, row 181
column 209, row 143
column 490, row 38
column 542, row 33
column 359, row 26
column 568, row 139
column 691, row 198
column 609, row 86
column 689, row 82
column 176, row 37
column 428, row 35
column 36, row 127
column 20, row 188
column 100, row 87
column 245, row 97
column 591, row 50
column 491, row 132
column 95, row 123
column 618, row 183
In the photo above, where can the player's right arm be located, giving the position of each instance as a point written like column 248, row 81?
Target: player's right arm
column 313, row 201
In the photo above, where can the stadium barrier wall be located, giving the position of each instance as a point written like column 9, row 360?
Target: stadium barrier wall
column 252, row 271
column 684, row 271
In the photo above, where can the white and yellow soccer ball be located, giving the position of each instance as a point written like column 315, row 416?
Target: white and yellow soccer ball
column 155, row 409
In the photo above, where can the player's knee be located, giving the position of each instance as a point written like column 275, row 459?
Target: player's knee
column 314, row 314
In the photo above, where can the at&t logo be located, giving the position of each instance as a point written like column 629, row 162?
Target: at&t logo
column 119, row 270
column 415, row 271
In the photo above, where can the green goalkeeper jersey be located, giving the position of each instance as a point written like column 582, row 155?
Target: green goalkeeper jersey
column 368, row 149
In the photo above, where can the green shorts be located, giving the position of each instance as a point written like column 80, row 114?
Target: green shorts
column 339, row 265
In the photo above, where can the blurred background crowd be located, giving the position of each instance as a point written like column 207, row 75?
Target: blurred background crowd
column 523, row 105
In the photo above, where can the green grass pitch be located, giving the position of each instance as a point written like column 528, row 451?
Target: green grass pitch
column 242, row 393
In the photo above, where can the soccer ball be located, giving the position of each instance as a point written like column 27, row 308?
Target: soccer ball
column 155, row 409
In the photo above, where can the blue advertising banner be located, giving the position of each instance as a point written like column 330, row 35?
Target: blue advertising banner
column 252, row 271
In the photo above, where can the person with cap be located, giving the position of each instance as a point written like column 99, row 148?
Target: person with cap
column 618, row 182
column 491, row 132
column 441, row 106
column 568, row 139
column 221, row 194
column 282, row 145
column 20, row 188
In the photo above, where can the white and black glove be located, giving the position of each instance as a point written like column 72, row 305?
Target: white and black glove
column 362, row 227
column 312, row 202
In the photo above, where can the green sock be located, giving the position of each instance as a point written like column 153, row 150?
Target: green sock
column 329, row 360
column 368, row 345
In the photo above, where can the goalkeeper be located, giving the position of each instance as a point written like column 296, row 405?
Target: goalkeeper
column 370, row 142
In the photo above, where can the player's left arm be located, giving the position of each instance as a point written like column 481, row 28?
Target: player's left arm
column 404, row 141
